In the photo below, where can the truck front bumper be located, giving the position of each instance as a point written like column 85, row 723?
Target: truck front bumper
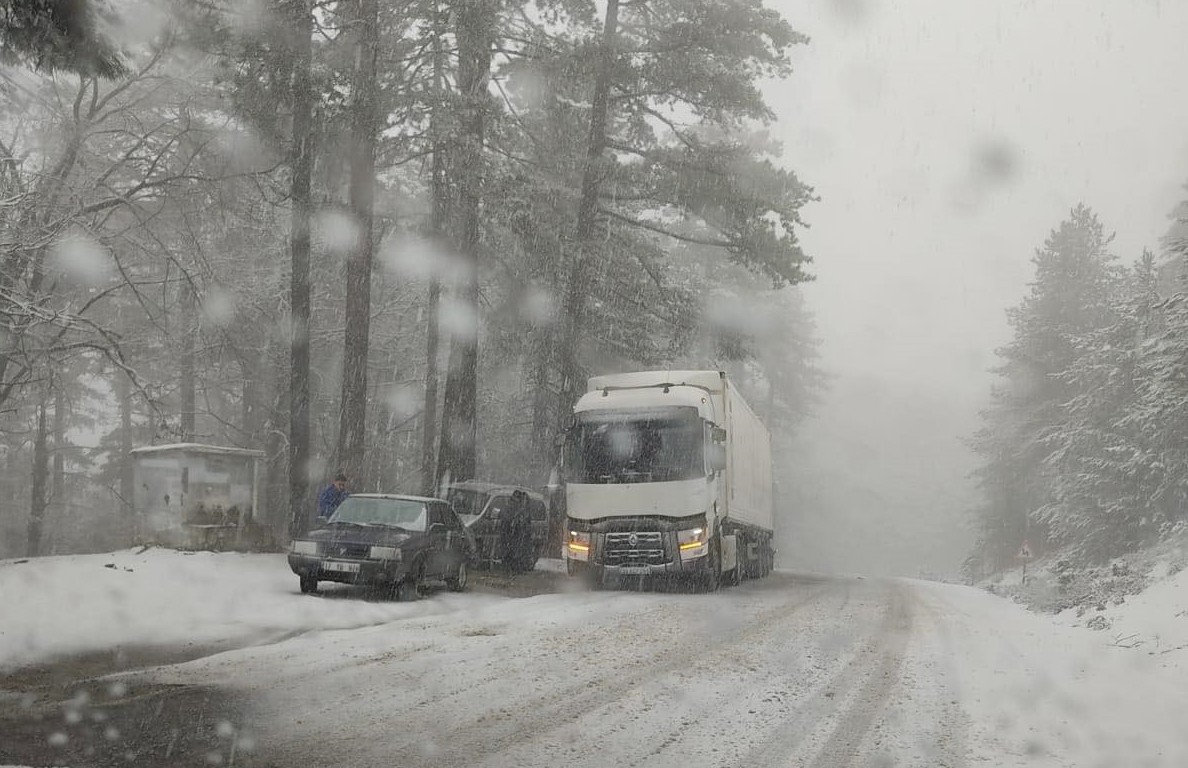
column 673, row 569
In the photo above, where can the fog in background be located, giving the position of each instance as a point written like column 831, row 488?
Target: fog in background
column 946, row 140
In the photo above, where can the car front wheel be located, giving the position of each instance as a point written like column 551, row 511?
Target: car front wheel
column 410, row 589
column 457, row 583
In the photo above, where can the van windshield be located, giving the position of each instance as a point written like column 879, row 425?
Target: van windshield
column 660, row 445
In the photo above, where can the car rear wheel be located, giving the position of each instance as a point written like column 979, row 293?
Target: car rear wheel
column 458, row 582
column 309, row 585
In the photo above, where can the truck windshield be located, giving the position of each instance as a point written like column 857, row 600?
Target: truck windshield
column 647, row 447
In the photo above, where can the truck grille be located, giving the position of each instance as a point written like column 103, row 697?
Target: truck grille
column 634, row 548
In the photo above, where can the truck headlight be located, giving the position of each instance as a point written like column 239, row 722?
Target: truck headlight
column 384, row 553
column 693, row 543
column 301, row 547
column 578, row 546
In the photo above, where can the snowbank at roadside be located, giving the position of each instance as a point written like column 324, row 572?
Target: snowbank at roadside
column 57, row 606
column 1135, row 605
column 1154, row 622
column 1039, row 691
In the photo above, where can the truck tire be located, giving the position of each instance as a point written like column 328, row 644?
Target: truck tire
column 595, row 578
column 309, row 585
column 589, row 575
column 711, row 580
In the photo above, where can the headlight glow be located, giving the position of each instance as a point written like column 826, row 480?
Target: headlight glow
column 384, row 553
column 578, row 546
column 302, row 547
column 693, row 543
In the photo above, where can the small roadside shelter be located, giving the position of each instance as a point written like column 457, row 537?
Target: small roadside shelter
column 195, row 496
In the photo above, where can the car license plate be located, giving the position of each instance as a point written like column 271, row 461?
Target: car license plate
column 331, row 565
column 634, row 570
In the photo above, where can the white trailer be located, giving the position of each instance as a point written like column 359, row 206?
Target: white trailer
column 667, row 473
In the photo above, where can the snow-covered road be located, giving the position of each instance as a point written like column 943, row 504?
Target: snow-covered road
column 795, row 670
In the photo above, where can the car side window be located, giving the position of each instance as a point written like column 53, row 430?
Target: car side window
column 498, row 504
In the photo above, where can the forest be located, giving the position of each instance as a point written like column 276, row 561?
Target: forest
column 385, row 237
column 1083, row 446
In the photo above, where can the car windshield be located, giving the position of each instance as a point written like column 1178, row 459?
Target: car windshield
column 395, row 513
column 637, row 447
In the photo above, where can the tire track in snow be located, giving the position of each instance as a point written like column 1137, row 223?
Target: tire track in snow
column 838, row 708
column 949, row 747
column 566, row 705
column 860, row 714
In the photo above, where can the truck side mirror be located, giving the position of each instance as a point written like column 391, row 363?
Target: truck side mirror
column 717, row 457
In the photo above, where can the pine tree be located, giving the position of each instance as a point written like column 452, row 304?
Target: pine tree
column 1101, row 461
column 1070, row 298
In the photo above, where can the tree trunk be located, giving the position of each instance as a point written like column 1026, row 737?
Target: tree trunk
column 475, row 26
column 544, row 398
column 58, row 489
column 37, row 500
column 123, row 390
column 352, row 428
column 276, row 484
column 587, row 218
column 438, row 226
column 188, row 340
column 429, row 413
column 299, row 299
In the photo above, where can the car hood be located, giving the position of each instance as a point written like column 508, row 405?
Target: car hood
column 378, row 537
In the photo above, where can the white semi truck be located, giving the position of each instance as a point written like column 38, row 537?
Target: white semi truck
column 667, row 474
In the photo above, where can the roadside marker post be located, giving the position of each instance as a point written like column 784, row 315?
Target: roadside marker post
column 1025, row 556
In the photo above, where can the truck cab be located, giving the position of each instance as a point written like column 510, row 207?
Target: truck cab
column 648, row 478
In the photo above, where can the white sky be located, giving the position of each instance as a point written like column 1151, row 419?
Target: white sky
column 918, row 252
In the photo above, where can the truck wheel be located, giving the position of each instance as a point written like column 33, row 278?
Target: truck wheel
column 309, row 585
column 741, row 566
column 594, row 578
column 711, row 580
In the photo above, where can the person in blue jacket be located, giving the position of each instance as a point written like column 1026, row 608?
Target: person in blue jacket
column 332, row 495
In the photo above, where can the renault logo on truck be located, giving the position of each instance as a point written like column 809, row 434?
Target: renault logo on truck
column 633, row 539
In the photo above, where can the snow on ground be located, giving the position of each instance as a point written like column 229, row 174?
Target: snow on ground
column 1039, row 693
column 54, row 606
column 792, row 670
column 1153, row 622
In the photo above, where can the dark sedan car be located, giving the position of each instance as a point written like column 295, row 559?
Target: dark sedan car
column 384, row 540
